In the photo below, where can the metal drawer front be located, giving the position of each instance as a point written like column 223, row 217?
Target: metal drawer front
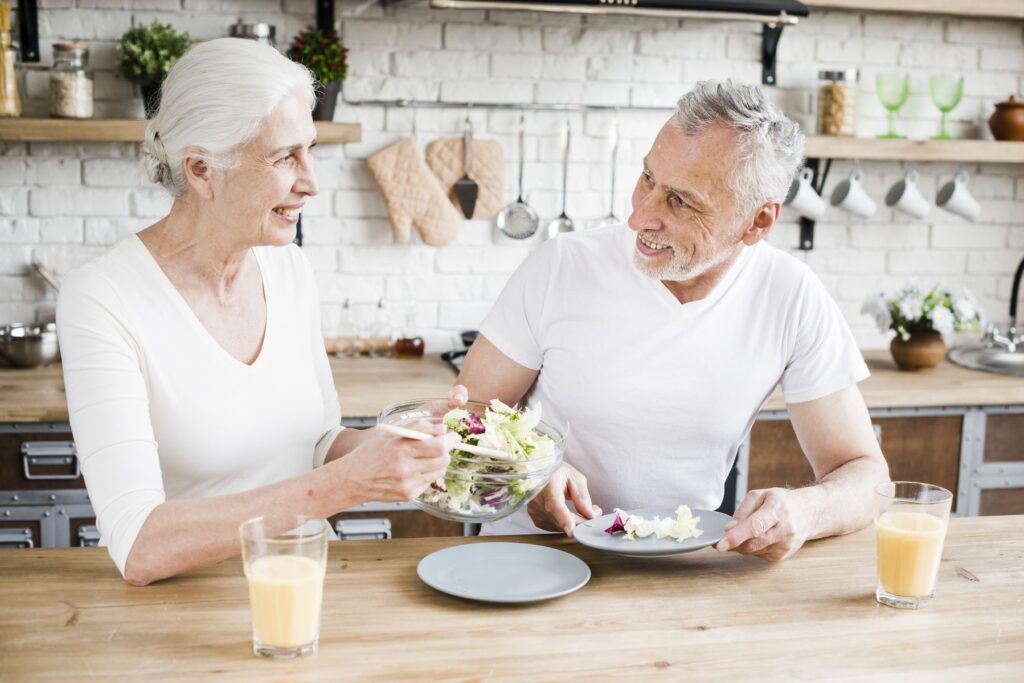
column 363, row 529
column 36, row 454
column 16, row 538
column 88, row 536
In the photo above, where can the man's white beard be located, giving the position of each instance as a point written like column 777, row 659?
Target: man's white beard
column 677, row 272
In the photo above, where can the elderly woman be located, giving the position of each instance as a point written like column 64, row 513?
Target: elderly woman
column 198, row 387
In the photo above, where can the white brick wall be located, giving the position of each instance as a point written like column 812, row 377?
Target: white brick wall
column 63, row 203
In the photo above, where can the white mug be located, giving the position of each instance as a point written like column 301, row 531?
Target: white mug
column 905, row 196
column 803, row 199
column 956, row 198
column 850, row 196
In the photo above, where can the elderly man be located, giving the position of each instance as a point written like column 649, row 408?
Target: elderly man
column 659, row 346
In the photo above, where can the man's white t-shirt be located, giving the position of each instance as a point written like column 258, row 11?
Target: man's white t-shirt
column 159, row 410
column 659, row 395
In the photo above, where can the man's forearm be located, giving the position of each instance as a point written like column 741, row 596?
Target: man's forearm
column 843, row 501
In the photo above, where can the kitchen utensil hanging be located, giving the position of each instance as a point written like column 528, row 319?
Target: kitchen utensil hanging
column 563, row 223
column 518, row 220
column 613, row 142
column 466, row 189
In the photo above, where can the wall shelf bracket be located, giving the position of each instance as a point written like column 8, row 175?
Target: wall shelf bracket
column 770, row 35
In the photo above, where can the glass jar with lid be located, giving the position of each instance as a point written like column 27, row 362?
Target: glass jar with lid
column 71, row 85
column 837, row 102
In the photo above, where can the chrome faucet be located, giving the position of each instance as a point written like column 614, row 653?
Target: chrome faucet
column 1012, row 339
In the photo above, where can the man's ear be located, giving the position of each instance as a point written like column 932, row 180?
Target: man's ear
column 761, row 224
column 198, row 173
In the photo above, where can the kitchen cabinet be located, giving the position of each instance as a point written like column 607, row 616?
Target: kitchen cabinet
column 400, row 520
column 917, row 449
column 43, row 501
column 42, row 494
column 977, row 453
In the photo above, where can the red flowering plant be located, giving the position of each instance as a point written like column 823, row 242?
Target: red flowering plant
column 322, row 52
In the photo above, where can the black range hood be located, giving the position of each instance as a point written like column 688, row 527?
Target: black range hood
column 784, row 11
column 774, row 15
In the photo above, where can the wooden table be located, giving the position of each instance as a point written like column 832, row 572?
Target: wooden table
column 65, row 615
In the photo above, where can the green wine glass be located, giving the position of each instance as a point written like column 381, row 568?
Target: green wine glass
column 893, row 91
column 946, row 92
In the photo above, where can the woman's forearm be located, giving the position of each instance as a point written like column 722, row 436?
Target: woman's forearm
column 347, row 441
column 184, row 535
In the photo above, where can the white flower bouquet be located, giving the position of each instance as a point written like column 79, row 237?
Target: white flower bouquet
column 911, row 310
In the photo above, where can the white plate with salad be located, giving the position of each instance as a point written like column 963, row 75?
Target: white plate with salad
column 503, row 572
column 653, row 532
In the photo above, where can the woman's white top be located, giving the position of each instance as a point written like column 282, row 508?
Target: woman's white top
column 159, row 410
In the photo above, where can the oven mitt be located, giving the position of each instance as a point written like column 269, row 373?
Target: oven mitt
column 444, row 157
column 413, row 195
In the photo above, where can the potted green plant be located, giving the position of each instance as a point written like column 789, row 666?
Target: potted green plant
column 323, row 53
column 146, row 54
column 920, row 319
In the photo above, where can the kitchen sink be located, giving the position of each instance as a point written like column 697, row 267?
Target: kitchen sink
column 1001, row 352
column 991, row 359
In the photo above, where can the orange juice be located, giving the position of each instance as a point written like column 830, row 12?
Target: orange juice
column 285, row 592
column 909, row 550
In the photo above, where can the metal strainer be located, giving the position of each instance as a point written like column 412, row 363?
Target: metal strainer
column 518, row 220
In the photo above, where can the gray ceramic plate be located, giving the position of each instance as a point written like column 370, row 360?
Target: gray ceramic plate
column 503, row 572
column 592, row 533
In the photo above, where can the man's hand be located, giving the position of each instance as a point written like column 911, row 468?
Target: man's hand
column 549, row 511
column 769, row 523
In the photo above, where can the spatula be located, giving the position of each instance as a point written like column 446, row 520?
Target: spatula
column 466, row 189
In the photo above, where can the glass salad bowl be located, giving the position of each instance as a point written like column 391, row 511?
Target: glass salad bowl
column 485, row 488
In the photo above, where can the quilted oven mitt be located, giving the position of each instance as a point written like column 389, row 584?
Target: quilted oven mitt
column 413, row 195
column 444, row 157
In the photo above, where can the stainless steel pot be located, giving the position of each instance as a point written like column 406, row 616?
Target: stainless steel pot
column 29, row 345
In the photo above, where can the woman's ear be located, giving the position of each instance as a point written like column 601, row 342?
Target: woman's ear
column 764, row 218
column 198, row 173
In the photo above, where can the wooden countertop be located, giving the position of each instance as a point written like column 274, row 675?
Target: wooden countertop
column 365, row 385
column 704, row 616
column 946, row 385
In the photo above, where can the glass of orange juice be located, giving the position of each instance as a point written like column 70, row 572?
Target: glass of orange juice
column 285, row 559
column 909, row 529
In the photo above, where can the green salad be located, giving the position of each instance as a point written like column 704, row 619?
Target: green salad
column 475, row 485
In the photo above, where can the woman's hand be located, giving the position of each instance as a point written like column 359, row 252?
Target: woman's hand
column 390, row 468
column 549, row 511
column 457, row 397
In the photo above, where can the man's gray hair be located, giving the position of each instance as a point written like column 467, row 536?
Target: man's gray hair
column 771, row 146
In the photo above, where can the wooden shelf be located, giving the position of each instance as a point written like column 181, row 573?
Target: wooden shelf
column 130, row 130
column 967, row 151
column 998, row 9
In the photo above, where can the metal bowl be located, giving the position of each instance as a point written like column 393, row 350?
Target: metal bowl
column 29, row 345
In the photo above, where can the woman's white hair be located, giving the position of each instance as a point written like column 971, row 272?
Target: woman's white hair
column 215, row 98
column 770, row 145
